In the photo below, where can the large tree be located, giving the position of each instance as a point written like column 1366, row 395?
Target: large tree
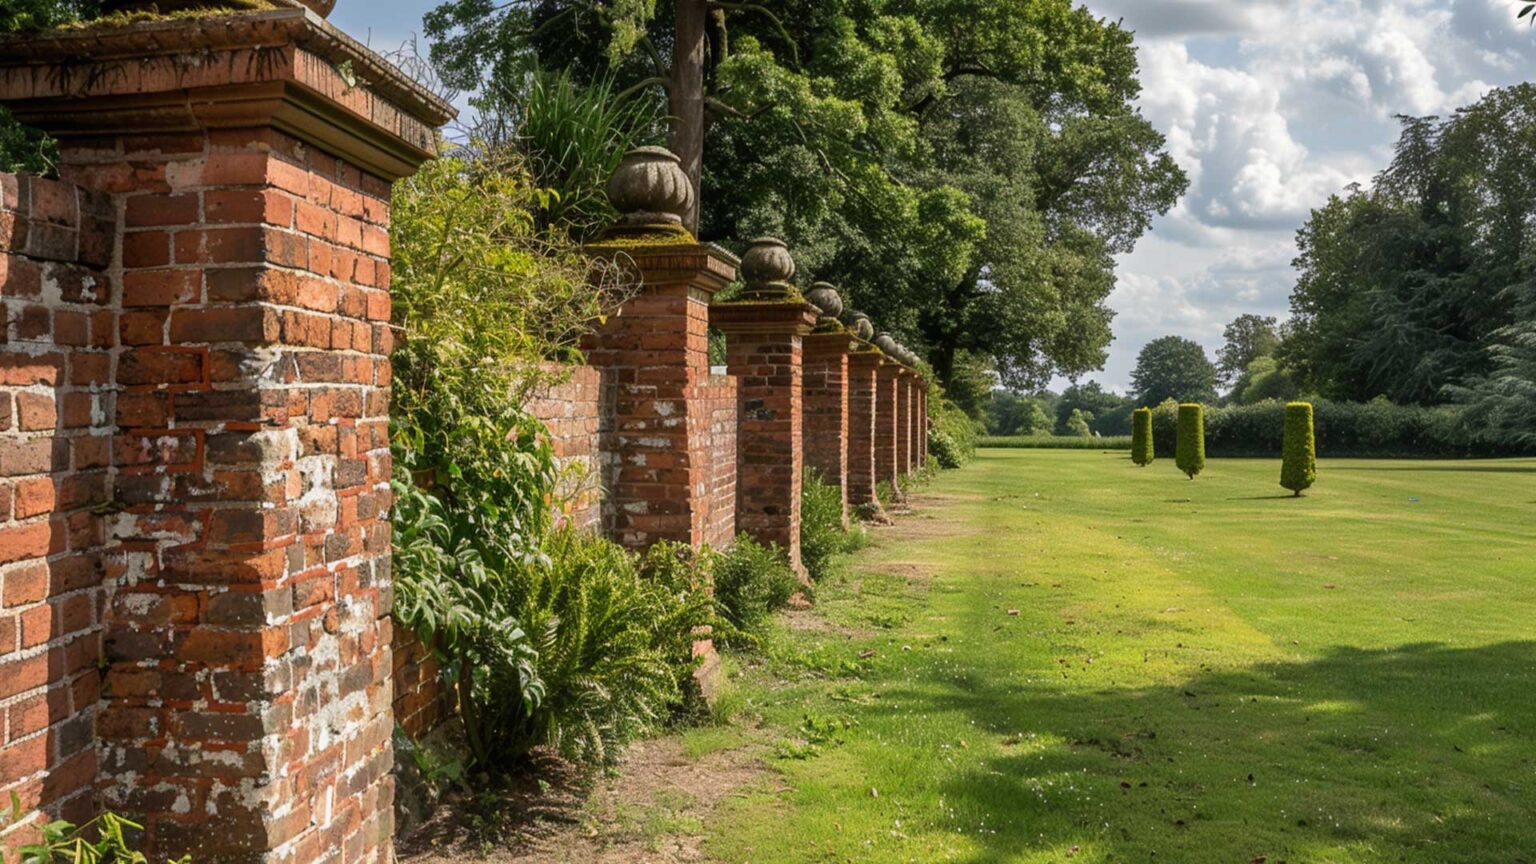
column 1402, row 285
column 1248, row 338
column 965, row 169
column 1173, row 368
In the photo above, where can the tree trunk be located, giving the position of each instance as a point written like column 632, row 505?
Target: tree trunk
column 687, row 103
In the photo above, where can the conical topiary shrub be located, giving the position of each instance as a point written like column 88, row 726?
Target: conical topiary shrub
column 1142, row 452
column 1191, row 448
column 1299, row 471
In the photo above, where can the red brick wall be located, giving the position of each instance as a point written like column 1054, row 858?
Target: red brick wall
column 905, row 418
column 570, row 409
column 863, row 393
column 767, row 368
column 887, row 413
column 55, row 447
column 421, row 701
column 826, row 409
column 247, row 638
column 717, row 397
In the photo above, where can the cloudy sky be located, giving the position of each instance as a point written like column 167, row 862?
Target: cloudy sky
column 1270, row 106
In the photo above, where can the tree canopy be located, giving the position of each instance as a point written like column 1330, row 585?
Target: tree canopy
column 1248, row 338
column 965, row 170
column 1173, row 368
column 1402, row 285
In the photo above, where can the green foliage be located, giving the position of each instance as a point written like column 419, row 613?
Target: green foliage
column 1299, row 469
column 1107, row 413
column 1501, row 406
column 570, row 135
column 1173, row 368
column 465, row 609
column 550, row 637
column 952, row 434
column 1264, row 380
column 22, row 148
column 1375, row 429
column 752, row 582
column 966, row 171
column 485, row 300
column 1078, row 424
column 103, row 840
column 1055, row 442
column 1248, row 338
column 1402, row 285
column 1190, row 455
column 612, row 646
column 1011, row 414
column 823, row 536
column 1142, row 451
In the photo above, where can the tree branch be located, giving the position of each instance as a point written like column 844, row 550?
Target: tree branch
column 666, row 84
column 719, row 107
column 794, row 47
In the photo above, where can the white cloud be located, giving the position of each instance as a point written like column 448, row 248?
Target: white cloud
column 1270, row 106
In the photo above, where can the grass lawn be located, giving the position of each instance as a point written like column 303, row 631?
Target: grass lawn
column 1061, row 657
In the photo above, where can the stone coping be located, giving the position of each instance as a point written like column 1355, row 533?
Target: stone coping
column 181, row 35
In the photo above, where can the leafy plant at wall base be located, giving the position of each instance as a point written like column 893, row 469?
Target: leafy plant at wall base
column 752, row 581
column 1142, row 451
column 1299, row 470
column 952, row 434
column 1191, row 446
column 464, row 609
column 608, row 643
column 823, row 535
column 103, row 840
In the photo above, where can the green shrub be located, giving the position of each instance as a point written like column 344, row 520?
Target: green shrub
column 823, row 535
column 1056, row 442
column 952, row 435
column 1373, row 430
column 1142, row 451
column 1299, row 470
column 1078, row 424
column 1191, row 445
column 465, row 609
column 752, row 582
column 1165, row 429
column 613, row 646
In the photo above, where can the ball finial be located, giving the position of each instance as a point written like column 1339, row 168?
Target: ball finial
column 767, row 267
column 825, row 297
column 651, row 188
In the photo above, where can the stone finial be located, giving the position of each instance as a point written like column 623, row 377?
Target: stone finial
column 824, row 296
column 861, row 326
column 887, row 344
column 767, row 268
column 651, row 188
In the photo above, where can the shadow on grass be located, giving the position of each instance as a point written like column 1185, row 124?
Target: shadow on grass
column 1421, row 753
column 1451, row 469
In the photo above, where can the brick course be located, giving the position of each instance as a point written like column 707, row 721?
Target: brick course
column 55, row 439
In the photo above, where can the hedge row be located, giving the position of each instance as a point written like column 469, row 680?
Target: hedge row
column 1055, row 442
column 1377, row 429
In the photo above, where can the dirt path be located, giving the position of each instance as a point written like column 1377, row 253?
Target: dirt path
column 651, row 811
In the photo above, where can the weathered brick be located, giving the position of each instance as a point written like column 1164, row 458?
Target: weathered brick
column 36, row 411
